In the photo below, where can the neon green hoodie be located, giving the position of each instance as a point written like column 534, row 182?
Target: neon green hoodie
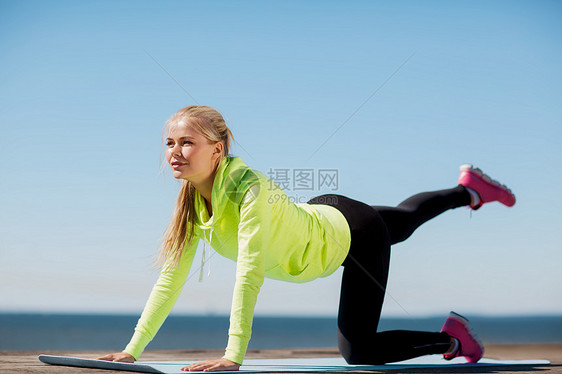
column 255, row 224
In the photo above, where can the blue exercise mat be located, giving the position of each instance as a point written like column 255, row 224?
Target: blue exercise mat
column 285, row 364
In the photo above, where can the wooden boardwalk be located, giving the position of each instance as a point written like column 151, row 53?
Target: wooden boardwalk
column 27, row 362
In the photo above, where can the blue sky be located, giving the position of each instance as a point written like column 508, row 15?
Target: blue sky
column 395, row 95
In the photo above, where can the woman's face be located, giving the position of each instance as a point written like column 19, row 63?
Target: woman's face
column 190, row 154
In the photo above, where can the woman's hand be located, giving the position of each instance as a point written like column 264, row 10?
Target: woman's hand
column 222, row 364
column 117, row 357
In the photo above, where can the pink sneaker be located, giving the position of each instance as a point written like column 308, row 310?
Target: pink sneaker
column 470, row 347
column 488, row 189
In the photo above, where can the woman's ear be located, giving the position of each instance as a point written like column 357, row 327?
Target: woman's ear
column 218, row 149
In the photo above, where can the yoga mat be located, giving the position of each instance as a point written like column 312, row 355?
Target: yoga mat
column 284, row 364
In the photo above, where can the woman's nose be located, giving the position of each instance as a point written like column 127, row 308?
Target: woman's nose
column 175, row 150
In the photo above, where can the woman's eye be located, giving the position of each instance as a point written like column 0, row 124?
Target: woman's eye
column 185, row 142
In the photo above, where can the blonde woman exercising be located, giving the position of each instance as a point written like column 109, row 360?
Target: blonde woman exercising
column 250, row 220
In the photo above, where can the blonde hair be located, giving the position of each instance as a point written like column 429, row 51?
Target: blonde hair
column 180, row 231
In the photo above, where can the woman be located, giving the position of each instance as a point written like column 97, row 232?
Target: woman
column 249, row 219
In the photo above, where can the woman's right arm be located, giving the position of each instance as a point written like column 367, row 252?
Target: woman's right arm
column 159, row 304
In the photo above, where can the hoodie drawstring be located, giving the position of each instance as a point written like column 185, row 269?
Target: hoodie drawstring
column 201, row 269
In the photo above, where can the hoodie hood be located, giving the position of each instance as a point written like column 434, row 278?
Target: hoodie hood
column 232, row 180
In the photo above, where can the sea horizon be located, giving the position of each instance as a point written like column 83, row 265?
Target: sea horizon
column 112, row 331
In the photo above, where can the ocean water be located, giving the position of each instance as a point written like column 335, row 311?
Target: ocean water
column 112, row 332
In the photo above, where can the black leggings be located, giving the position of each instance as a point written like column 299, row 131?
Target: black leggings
column 373, row 230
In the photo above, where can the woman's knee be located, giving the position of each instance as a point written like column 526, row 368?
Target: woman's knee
column 361, row 353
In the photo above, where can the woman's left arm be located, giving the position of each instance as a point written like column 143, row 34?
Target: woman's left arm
column 253, row 238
